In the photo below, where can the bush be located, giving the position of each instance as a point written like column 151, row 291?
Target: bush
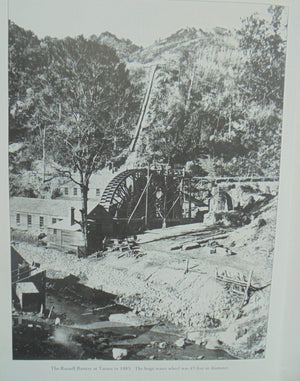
column 56, row 193
column 24, row 236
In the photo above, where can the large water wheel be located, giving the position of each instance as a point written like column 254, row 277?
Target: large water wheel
column 138, row 198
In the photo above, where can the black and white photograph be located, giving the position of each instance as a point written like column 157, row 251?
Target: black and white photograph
column 145, row 144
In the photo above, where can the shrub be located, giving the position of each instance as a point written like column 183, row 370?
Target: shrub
column 24, row 236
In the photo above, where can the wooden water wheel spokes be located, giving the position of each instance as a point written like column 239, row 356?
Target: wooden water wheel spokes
column 134, row 195
column 119, row 195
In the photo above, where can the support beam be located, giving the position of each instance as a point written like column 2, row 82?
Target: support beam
column 174, row 203
column 139, row 200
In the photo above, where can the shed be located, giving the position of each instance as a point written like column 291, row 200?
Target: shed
column 67, row 234
column 28, row 283
column 64, row 235
column 28, row 296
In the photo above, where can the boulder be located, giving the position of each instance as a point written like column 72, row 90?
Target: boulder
column 162, row 345
column 194, row 336
column 57, row 321
column 213, row 343
column 180, row 343
column 119, row 353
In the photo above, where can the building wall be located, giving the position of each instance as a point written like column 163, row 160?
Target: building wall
column 71, row 239
column 71, row 191
column 31, row 221
column 64, row 239
column 54, row 238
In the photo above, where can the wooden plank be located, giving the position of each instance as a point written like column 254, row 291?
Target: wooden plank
column 246, row 295
column 230, row 280
column 197, row 243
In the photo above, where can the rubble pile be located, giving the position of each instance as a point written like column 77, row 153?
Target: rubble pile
column 152, row 288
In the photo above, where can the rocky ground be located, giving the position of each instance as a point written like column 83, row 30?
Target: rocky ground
column 169, row 281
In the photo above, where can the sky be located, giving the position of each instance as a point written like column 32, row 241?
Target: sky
column 142, row 21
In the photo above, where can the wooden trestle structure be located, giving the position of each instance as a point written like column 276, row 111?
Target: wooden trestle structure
column 143, row 198
column 151, row 197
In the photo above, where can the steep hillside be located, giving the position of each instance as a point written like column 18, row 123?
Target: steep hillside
column 124, row 48
column 216, row 94
column 163, row 50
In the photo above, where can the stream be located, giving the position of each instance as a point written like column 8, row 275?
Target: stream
column 85, row 331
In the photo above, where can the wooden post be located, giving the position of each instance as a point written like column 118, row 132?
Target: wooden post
column 44, row 153
column 50, row 312
column 40, row 314
column 246, row 294
column 190, row 202
column 139, row 200
column 172, row 207
column 147, row 196
column 164, row 224
column 187, row 266
column 182, row 186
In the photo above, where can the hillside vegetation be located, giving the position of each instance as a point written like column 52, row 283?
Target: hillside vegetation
column 216, row 94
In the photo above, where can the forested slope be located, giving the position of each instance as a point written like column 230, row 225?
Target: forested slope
column 216, row 95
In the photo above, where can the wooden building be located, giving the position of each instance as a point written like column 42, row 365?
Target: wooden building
column 71, row 191
column 64, row 235
column 67, row 234
column 34, row 214
column 60, row 221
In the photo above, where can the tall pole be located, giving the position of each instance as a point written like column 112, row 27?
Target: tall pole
column 147, row 196
column 182, row 199
column 44, row 153
column 164, row 223
column 190, row 202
